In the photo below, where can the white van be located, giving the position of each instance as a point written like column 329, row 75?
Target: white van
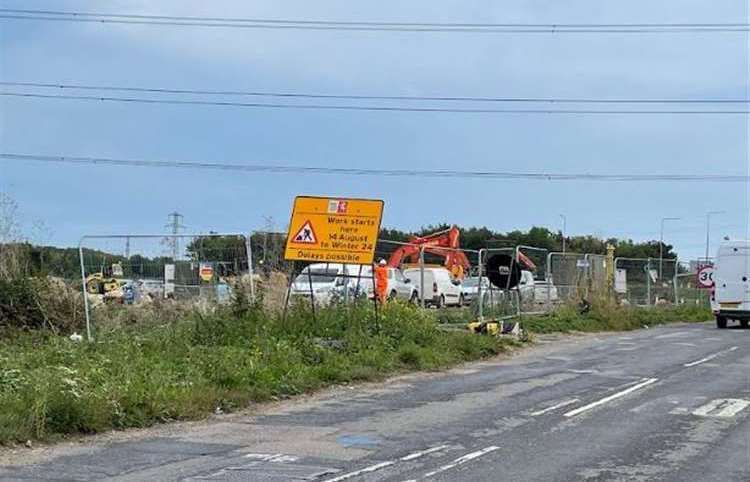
column 731, row 297
column 440, row 289
column 332, row 281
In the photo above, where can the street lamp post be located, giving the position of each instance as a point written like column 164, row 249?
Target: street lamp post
column 661, row 243
column 708, row 230
column 564, row 221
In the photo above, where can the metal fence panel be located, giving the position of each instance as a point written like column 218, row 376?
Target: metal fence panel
column 143, row 269
column 646, row 281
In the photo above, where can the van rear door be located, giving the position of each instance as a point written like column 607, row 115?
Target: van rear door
column 731, row 277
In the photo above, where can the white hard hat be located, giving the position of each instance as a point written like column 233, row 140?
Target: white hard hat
column 381, row 262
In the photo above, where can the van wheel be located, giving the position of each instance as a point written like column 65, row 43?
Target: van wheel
column 441, row 301
column 744, row 323
column 461, row 300
column 392, row 295
column 414, row 298
column 721, row 322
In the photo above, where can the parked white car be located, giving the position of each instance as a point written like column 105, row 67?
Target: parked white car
column 332, row 281
column 731, row 297
column 440, row 289
column 401, row 287
column 470, row 288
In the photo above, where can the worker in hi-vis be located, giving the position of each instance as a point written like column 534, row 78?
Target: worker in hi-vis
column 381, row 280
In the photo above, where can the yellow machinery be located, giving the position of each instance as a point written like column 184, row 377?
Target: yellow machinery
column 98, row 284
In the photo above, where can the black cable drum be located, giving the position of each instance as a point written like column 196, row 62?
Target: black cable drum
column 503, row 272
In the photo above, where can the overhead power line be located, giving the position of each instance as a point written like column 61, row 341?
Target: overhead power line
column 307, row 95
column 376, row 108
column 418, row 173
column 264, row 23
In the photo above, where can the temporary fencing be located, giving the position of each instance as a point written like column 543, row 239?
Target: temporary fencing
column 494, row 282
column 687, row 291
column 569, row 274
column 646, row 281
column 140, row 269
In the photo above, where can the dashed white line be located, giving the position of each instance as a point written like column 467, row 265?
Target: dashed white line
column 462, row 460
column 709, row 357
column 644, row 383
column 387, row 463
column 416, row 455
column 684, row 343
column 554, row 407
column 676, row 334
column 366, row 470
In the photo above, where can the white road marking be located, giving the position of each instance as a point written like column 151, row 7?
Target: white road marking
column 366, row 470
column 554, row 407
column 583, row 372
column 626, row 343
column 722, row 408
column 416, row 455
column 462, row 460
column 709, row 357
column 644, row 383
column 272, row 457
column 672, row 335
column 684, row 343
column 387, row 463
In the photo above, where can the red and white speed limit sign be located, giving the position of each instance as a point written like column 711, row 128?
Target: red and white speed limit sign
column 705, row 278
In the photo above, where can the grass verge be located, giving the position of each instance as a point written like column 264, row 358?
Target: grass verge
column 147, row 373
column 610, row 317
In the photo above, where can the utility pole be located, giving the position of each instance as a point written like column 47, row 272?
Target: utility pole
column 564, row 221
column 708, row 230
column 175, row 224
column 661, row 243
column 127, row 247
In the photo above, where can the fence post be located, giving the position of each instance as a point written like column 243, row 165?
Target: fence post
column 648, row 282
column 480, row 306
column 250, row 270
column 85, row 293
column 611, row 270
column 548, row 279
column 674, row 279
column 421, row 275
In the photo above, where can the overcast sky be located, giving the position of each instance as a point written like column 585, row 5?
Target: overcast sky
column 75, row 200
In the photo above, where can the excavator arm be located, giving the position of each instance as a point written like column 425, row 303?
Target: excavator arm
column 443, row 243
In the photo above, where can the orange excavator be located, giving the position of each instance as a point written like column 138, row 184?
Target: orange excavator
column 445, row 244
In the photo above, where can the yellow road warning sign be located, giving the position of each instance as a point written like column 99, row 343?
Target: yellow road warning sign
column 333, row 230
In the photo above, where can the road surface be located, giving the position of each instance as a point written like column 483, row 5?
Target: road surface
column 669, row 403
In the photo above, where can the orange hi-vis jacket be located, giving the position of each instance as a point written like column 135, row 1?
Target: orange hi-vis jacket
column 381, row 280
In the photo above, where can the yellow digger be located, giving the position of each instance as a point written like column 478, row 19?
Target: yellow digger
column 98, row 284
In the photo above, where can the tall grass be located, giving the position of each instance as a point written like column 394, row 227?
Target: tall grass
column 608, row 316
column 154, row 372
